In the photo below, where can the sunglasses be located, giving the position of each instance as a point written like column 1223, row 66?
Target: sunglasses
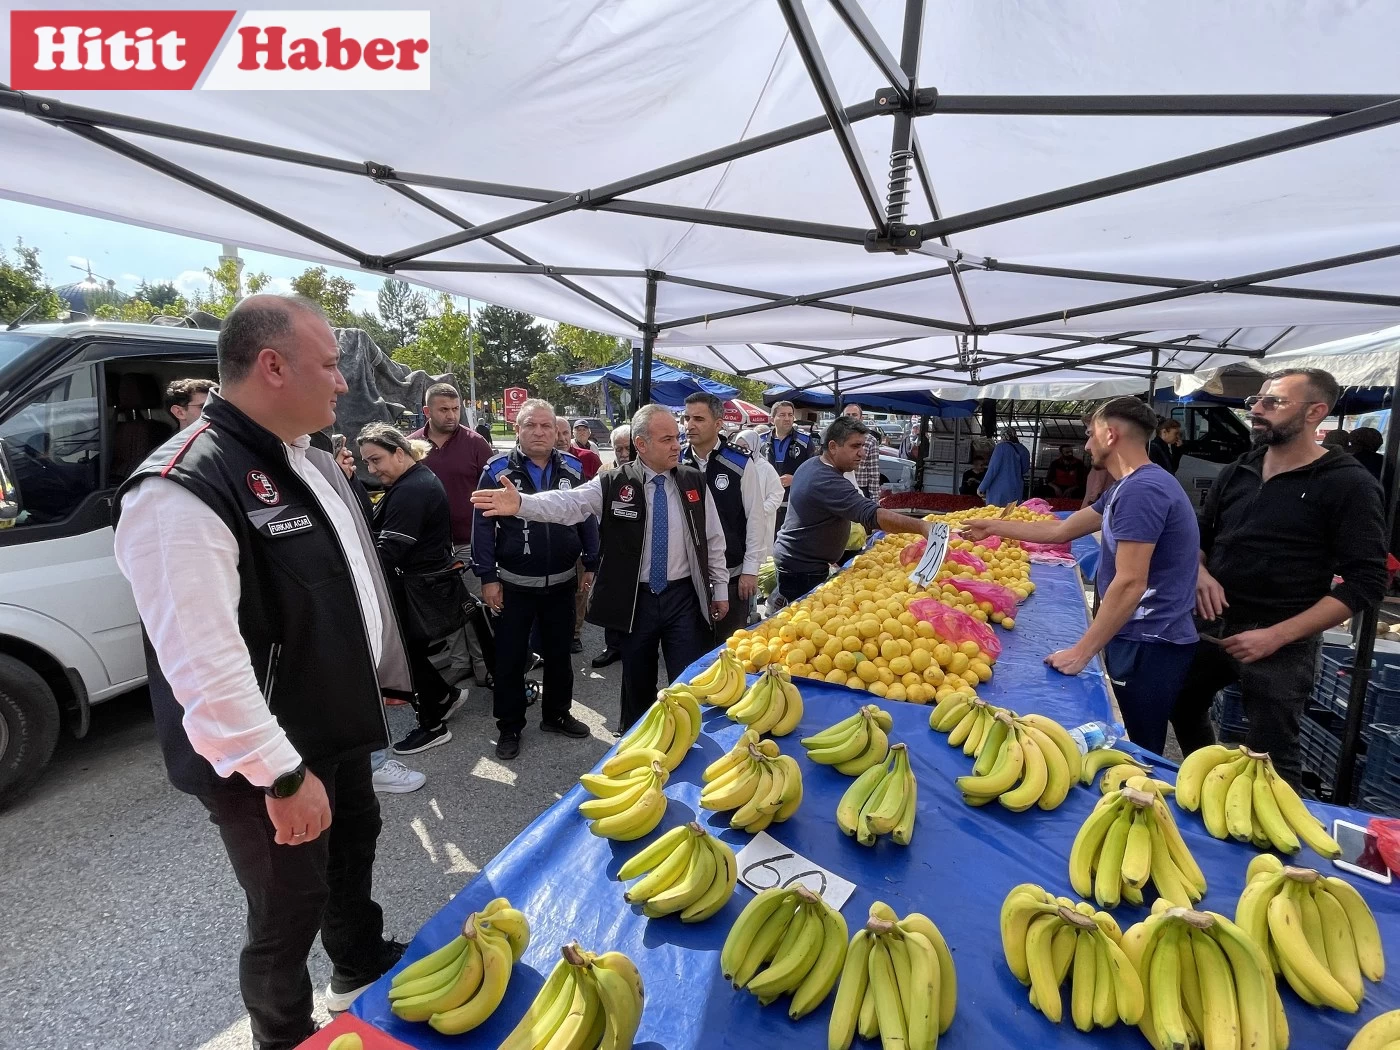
column 1269, row 403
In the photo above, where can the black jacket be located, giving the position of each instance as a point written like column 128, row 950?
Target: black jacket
column 1168, row 457
column 1275, row 546
column 413, row 524
column 531, row 553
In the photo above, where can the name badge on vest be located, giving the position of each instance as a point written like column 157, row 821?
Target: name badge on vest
column 276, row 522
column 623, row 510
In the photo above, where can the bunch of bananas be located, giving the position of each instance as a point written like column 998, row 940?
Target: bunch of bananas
column 1128, row 838
column 772, row 704
column 1206, row 983
column 882, row 801
column 787, row 940
column 1103, row 758
column 1318, row 931
column 1022, row 761
column 671, row 725
column 959, row 714
column 1379, row 1033
column 1240, row 795
column 898, row 983
column 460, row 985
column 723, row 682
column 588, row 1002
column 762, row 785
column 1132, row 774
column 628, row 806
column 1047, row 938
column 853, row 744
column 687, row 870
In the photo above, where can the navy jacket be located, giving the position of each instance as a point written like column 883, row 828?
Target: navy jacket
column 531, row 553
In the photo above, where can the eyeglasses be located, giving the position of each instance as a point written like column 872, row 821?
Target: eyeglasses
column 1270, row 403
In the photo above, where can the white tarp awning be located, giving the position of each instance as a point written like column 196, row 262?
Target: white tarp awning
column 1360, row 361
column 558, row 106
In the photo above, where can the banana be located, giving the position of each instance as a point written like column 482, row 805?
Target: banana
column 774, row 713
column 876, row 751
column 690, row 887
column 821, row 978
column 1286, row 932
column 464, row 979
column 1023, row 905
column 1220, row 1020
column 686, row 733
column 731, row 759
column 1004, row 774
column 973, row 744
column 835, row 734
column 855, row 798
column 496, row 960
column 594, row 808
column 765, row 790
column 755, row 702
column 432, row 963
column 735, row 787
column 546, row 1012
column 889, row 1012
column 686, row 698
column 1260, row 1013
column 792, row 963
column 1137, row 850
column 766, row 940
column 1214, row 790
column 793, row 709
column 1177, row 849
column 1252, row 911
column 721, row 888
column 1088, row 842
column 638, row 820
column 622, row 997
column 915, row 922
column 669, row 870
column 1085, row 970
column 514, row 925
column 1105, row 1006
column 647, row 732
column 925, row 979
column 992, row 743
column 1268, row 818
column 574, row 1031
column 843, row 748
column 1108, row 874
column 1060, row 735
column 347, row 1041
column 1164, row 980
column 959, row 734
column 626, row 761
column 1035, row 775
column 655, row 853
column 1264, row 863
column 1192, row 1006
column 1364, row 930
column 1239, row 804
column 1040, row 965
column 791, row 796
column 881, row 819
column 1058, row 779
column 1192, row 773
column 850, row 993
column 1308, row 828
column 1339, row 942
column 1128, row 995
column 711, row 679
column 1100, row 759
column 954, row 715
column 903, row 831
column 746, row 927
column 1166, row 877
column 1378, row 1033
column 601, row 786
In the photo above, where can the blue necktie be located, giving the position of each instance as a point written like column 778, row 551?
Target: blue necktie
column 659, row 533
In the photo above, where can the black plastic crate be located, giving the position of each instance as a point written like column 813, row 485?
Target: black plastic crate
column 1332, row 690
column 1379, row 790
column 1231, row 723
column 1320, row 737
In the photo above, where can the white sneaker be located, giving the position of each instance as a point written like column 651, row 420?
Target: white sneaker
column 397, row 779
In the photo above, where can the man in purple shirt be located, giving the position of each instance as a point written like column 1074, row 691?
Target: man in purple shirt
column 1145, row 627
column 458, row 456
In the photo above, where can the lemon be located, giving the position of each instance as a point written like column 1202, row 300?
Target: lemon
column 957, row 663
column 850, row 643
column 867, row 671
column 900, row 666
column 819, row 638
column 821, row 663
column 887, row 676
column 871, row 650
column 844, row 661
column 890, row 649
column 760, row 656
column 877, row 687
column 896, row 692
column 920, row 659
column 924, row 629
column 836, row 676
column 933, row 675
column 1008, row 623
column 943, row 653
column 981, row 670
column 969, row 648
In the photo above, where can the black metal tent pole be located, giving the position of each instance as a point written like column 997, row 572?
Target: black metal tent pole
column 641, row 384
column 1366, row 633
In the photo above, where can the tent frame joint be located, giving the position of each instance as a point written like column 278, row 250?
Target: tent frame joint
column 891, row 100
column 899, row 237
column 381, row 173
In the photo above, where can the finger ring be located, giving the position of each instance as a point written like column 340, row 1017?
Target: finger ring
column 298, row 834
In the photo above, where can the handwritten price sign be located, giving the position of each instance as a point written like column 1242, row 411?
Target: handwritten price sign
column 765, row 862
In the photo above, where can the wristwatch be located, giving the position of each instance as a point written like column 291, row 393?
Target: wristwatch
column 288, row 784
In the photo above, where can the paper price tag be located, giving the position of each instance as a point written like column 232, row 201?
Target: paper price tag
column 765, row 862
column 934, row 554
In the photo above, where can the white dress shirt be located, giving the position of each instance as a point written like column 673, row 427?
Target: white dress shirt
column 758, row 531
column 570, row 506
column 182, row 563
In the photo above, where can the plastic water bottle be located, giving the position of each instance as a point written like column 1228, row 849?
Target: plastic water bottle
column 1093, row 735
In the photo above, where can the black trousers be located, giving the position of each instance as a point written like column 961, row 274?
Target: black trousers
column 793, row 585
column 430, row 691
column 548, row 614
column 1274, row 691
column 1147, row 679
column 738, row 615
column 295, row 892
column 674, row 621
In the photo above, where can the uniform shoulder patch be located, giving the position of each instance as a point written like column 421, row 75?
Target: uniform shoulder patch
column 498, row 465
column 734, row 457
column 572, row 462
column 802, row 439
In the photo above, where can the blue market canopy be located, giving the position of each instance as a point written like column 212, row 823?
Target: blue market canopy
column 901, row 402
column 669, row 386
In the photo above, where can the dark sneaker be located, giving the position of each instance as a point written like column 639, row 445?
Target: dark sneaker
column 607, row 656
column 568, row 725
column 577, row 647
column 421, row 739
column 455, row 705
column 340, row 993
column 508, row 746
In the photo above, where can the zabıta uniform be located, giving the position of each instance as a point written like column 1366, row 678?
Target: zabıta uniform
column 786, row 454
column 724, row 473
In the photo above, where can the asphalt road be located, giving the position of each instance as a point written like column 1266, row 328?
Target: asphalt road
column 122, row 920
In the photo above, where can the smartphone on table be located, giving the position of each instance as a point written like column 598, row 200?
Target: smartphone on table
column 1361, row 853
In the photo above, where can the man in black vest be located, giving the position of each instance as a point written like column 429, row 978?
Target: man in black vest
column 270, row 635
column 737, row 491
column 529, row 573
column 662, row 579
column 787, row 448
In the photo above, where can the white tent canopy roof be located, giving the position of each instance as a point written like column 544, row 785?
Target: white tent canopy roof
column 1360, row 361
column 541, row 116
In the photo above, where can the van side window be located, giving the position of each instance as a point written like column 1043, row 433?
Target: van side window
column 53, row 446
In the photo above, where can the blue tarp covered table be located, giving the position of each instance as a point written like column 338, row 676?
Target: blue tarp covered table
column 958, row 868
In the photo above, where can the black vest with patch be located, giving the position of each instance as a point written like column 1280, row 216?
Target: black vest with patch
column 798, row 451
column 298, row 610
column 724, row 473
column 613, row 600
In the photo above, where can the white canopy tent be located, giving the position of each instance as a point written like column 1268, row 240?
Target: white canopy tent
column 1056, row 209
column 1370, row 360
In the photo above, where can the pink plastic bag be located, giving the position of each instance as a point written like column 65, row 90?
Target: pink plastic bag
column 1003, row 598
column 1048, row 553
column 955, row 626
column 991, row 543
column 1037, row 506
column 911, row 554
column 973, row 562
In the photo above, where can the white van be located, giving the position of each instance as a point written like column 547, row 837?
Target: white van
column 81, row 405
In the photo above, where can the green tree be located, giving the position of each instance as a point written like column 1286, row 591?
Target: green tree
column 574, row 349
column 161, row 296
column 507, row 342
column 332, row 293
column 226, row 287
column 443, row 343
column 22, row 286
column 148, row 301
column 402, row 311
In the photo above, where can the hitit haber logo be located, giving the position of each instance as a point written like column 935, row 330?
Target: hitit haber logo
column 265, row 51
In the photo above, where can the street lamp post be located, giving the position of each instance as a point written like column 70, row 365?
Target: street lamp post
column 471, row 367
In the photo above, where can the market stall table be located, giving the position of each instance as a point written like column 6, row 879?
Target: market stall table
column 958, row 868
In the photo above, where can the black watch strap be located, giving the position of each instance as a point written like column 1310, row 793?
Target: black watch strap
column 288, row 784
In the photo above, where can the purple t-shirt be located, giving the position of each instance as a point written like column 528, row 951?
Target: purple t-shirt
column 1150, row 506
